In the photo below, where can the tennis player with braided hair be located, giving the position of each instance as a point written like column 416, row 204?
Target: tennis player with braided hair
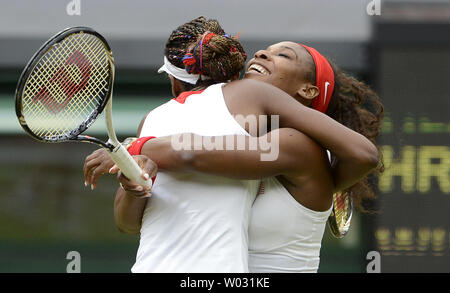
column 288, row 219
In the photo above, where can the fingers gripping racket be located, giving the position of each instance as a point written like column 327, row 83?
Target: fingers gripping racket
column 341, row 214
column 63, row 89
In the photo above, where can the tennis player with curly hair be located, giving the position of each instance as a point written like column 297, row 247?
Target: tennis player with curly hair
column 194, row 213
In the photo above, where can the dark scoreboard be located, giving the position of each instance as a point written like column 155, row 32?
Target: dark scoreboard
column 412, row 229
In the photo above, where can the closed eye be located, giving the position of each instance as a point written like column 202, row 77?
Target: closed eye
column 284, row 55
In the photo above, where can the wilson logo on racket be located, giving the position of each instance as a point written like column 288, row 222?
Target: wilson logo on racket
column 63, row 75
column 66, row 82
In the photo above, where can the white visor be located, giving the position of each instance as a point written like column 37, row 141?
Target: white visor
column 178, row 73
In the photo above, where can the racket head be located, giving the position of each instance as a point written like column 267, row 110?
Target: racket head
column 341, row 214
column 65, row 85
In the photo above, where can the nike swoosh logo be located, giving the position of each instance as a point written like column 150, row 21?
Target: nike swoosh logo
column 326, row 89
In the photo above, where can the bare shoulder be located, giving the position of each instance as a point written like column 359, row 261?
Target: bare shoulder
column 249, row 96
column 270, row 99
column 252, row 88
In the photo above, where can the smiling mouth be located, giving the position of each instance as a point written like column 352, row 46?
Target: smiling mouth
column 258, row 68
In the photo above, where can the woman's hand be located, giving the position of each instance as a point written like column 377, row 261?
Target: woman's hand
column 149, row 170
column 95, row 165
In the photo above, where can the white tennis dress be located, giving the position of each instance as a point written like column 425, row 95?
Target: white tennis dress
column 195, row 222
column 284, row 236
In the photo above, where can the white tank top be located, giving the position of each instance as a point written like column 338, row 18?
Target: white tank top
column 284, row 236
column 195, row 222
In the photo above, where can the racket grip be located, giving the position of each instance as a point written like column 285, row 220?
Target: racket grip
column 128, row 165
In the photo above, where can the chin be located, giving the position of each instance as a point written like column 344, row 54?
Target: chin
column 255, row 76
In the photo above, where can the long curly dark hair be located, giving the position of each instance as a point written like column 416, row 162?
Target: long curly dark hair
column 355, row 105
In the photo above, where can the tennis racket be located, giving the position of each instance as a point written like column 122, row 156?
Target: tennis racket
column 65, row 86
column 341, row 214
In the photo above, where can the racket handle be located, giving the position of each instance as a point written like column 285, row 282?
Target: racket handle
column 128, row 165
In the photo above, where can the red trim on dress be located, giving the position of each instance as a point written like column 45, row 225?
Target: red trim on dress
column 184, row 95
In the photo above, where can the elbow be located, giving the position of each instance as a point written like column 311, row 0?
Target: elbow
column 373, row 157
column 186, row 159
column 128, row 230
column 369, row 159
column 191, row 158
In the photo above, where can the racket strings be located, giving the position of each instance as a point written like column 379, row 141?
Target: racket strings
column 56, row 106
column 96, row 79
column 66, row 86
column 57, row 94
column 83, row 103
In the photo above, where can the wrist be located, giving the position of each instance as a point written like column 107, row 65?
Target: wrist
column 128, row 142
column 135, row 147
column 133, row 194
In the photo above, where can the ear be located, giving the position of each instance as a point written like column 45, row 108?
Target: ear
column 308, row 91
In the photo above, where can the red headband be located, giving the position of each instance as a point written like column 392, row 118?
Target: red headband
column 324, row 80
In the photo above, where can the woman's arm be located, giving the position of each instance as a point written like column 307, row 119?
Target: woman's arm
column 303, row 163
column 128, row 211
column 356, row 154
column 275, row 153
column 291, row 153
column 131, row 199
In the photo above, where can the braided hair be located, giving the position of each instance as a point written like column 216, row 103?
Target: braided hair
column 186, row 34
column 219, row 57
column 202, row 47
